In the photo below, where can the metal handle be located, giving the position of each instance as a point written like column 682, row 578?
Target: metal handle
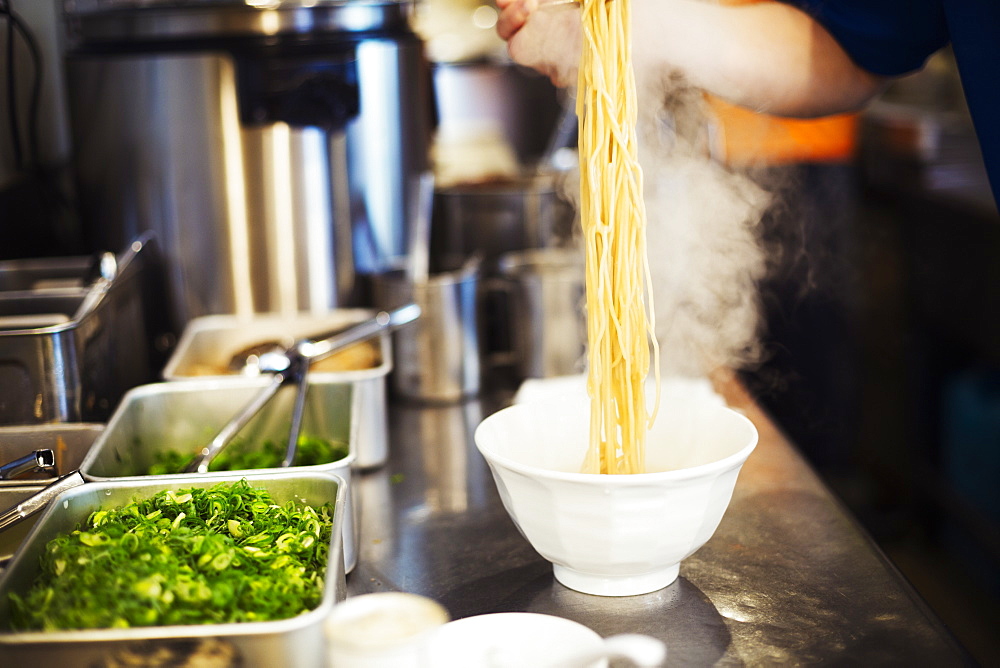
column 39, row 459
column 205, row 456
column 304, row 353
column 320, row 347
column 297, row 411
column 39, row 500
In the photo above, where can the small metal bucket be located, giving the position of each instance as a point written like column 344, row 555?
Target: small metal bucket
column 541, row 306
column 498, row 217
column 436, row 359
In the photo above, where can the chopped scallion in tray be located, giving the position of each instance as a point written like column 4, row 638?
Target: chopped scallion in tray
column 228, row 553
column 311, row 451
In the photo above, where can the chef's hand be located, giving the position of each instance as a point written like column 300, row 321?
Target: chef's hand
column 546, row 39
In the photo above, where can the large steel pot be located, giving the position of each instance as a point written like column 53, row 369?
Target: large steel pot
column 274, row 147
column 497, row 217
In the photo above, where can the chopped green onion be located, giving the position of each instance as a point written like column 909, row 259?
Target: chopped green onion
column 246, row 456
column 197, row 556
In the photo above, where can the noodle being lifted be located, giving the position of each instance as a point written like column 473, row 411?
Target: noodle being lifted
column 619, row 296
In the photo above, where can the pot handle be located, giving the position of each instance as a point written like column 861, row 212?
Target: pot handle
column 496, row 295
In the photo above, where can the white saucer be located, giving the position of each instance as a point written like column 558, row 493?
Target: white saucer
column 513, row 640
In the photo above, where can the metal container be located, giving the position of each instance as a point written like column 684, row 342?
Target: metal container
column 86, row 346
column 70, row 442
column 296, row 642
column 185, row 415
column 12, row 537
column 276, row 147
column 209, row 342
column 546, row 295
column 37, row 310
column 497, row 217
column 43, row 274
column 437, row 357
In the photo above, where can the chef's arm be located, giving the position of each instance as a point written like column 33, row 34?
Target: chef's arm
column 767, row 56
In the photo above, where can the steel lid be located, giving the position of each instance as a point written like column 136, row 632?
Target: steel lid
column 77, row 7
column 103, row 21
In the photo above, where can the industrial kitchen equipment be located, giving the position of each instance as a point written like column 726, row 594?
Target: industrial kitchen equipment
column 275, row 147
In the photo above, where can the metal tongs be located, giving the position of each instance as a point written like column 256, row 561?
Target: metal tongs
column 44, row 460
column 39, row 460
column 39, row 500
column 290, row 367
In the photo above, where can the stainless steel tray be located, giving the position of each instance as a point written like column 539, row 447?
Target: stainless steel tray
column 70, row 441
column 12, row 537
column 210, row 341
column 68, row 354
column 185, row 415
column 294, row 642
column 37, row 275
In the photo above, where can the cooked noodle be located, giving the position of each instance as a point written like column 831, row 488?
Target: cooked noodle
column 619, row 294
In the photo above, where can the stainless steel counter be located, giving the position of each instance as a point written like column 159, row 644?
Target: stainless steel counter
column 788, row 578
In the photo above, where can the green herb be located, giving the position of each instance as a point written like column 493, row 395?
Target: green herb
column 311, row 451
column 227, row 553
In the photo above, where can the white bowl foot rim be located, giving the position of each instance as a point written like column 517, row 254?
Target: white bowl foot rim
column 616, row 585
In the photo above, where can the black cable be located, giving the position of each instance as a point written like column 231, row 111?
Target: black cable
column 16, row 25
column 37, row 197
column 36, row 86
column 15, row 131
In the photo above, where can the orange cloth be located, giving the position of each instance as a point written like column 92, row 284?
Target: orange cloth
column 742, row 137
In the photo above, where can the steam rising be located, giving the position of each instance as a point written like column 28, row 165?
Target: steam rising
column 704, row 252
column 703, row 246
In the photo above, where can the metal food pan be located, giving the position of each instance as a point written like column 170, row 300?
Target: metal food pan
column 52, row 307
column 186, row 415
column 70, row 441
column 12, row 537
column 295, row 642
column 69, row 354
column 209, row 342
column 44, row 274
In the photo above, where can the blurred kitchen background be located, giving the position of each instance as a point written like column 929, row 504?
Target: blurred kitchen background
column 115, row 123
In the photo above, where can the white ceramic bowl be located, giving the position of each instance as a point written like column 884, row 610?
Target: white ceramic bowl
column 616, row 535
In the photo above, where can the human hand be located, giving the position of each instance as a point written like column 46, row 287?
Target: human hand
column 545, row 36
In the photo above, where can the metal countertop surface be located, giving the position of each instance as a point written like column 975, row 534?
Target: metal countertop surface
column 788, row 577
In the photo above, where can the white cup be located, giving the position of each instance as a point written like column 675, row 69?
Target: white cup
column 383, row 630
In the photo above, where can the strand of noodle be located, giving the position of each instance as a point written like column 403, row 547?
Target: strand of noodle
column 619, row 311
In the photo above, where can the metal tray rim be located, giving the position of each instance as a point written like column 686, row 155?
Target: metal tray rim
column 179, row 387
column 231, row 629
column 221, row 321
column 13, row 431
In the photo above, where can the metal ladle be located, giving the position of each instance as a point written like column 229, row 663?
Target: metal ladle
column 291, row 366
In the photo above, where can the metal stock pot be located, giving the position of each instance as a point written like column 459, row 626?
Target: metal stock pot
column 275, row 147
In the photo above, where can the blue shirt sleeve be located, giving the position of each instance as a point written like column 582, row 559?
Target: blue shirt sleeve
column 887, row 37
